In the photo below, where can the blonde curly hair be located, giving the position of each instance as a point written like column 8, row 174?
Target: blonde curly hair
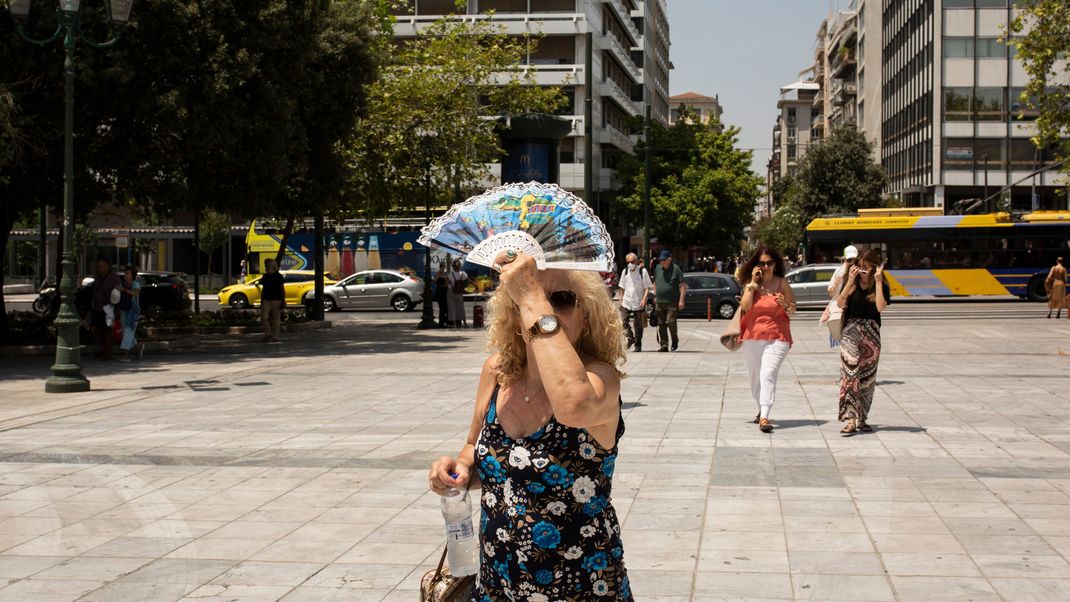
column 602, row 339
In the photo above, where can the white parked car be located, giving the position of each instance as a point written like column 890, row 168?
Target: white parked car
column 374, row 289
column 810, row 283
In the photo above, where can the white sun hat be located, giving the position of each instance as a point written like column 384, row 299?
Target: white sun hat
column 850, row 252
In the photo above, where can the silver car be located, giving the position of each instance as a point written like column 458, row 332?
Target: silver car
column 810, row 283
column 374, row 289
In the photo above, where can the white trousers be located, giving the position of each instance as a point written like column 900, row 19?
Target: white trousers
column 763, row 361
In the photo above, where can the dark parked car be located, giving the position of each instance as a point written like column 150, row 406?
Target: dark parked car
column 721, row 289
column 159, row 290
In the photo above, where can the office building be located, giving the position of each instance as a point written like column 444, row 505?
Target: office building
column 630, row 68
column 952, row 127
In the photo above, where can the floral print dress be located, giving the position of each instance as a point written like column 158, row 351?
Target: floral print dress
column 548, row 531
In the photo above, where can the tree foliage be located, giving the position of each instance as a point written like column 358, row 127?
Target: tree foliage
column 838, row 175
column 702, row 190
column 430, row 109
column 1042, row 38
column 7, row 130
column 215, row 230
column 235, row 105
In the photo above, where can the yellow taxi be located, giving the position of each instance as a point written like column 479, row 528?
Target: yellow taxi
column 298, row 284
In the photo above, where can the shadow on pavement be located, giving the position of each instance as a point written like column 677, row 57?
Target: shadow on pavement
column 790, row 424
column 340, row 339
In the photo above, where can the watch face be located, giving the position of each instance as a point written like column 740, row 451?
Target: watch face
column 548, row 324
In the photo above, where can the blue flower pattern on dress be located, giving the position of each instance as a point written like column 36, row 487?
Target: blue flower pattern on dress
column 548, row 530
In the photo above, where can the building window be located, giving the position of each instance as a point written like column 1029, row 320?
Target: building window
column 568, row 150
column 555, row 50
column 504, row 6
column 988, row 104
column 792, row 133
column 958, row 48
column 990, row 48
column 957, row 104
column 791, row 115
column 958, row 153
column 958, row 3
column 553, row 6
column 437, row 7
column 1020, row 109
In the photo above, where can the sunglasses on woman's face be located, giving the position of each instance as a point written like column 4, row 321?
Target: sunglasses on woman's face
column 769, row 264
column 563, row 301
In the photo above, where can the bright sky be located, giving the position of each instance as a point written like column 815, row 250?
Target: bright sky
column 743, row 51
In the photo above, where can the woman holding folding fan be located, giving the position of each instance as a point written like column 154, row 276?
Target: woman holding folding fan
column 544, row 434
column 543, row 439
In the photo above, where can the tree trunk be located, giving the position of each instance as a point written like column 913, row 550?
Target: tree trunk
column 5, row 235
column 285, row 239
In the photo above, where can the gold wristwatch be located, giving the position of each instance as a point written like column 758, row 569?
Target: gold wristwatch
column 548, row 324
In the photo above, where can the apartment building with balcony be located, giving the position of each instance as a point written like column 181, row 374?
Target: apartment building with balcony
column 706, row 108
column 952, row 126
column 629, row 56
column 791, row 133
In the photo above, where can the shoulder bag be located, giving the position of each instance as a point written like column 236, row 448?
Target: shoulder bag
column 730, row 337
column 441, row 586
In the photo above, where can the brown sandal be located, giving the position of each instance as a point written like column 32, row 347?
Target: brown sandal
column 764, row 426
column 850, row 429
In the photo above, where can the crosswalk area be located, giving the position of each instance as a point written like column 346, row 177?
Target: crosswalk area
column 909, row 309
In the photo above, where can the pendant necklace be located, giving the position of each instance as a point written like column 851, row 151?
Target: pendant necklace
column 527, row 398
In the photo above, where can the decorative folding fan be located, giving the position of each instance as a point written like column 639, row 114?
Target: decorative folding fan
column 541, row 220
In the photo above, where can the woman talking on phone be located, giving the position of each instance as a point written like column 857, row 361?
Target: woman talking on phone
column 765, row 326
column 863, row 298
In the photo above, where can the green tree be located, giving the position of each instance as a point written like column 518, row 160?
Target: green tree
column 702, row 190
column 7, row 130
column 1041, row 36
column 215, row 230
column 782, row 230
column 228, row 104
column 429, row 110
column 838, row 175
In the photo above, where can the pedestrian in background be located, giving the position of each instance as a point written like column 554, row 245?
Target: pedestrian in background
column 863, row 298
column 765, row 328
column 635, row 286
column 243, row 272
column 272, row 300
column 1055, row 283
column 102, row 314
column 442, row 285
column 543, row 440
column 670, row 291
column 850, row 253
column 130, row 313
column 458, row 281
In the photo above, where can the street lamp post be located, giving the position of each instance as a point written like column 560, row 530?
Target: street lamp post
column 67, row 374
column 427, row 317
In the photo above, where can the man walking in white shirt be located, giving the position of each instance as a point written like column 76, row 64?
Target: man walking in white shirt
column 635, row 284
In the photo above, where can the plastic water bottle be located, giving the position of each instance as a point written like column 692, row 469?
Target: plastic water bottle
column 462, row 545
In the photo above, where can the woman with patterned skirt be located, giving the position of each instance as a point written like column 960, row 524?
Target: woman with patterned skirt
column 542, row 444
column 863, row 298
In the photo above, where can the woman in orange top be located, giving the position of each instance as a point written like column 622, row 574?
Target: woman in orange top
column 765, row 327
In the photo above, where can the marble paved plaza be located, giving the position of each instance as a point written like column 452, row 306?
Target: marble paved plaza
column 298, row 472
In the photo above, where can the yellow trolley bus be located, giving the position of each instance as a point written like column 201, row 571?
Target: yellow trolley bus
column 931, row 254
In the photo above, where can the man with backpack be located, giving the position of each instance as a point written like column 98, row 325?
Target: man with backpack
column 635, row 285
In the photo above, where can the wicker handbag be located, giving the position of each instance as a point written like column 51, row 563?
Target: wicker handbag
column 441, row 586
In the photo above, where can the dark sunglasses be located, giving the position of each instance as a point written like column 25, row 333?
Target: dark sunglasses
column 563, row 301
column 769, row 264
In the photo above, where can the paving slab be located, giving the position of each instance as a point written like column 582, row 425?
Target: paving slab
column 241, row 471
